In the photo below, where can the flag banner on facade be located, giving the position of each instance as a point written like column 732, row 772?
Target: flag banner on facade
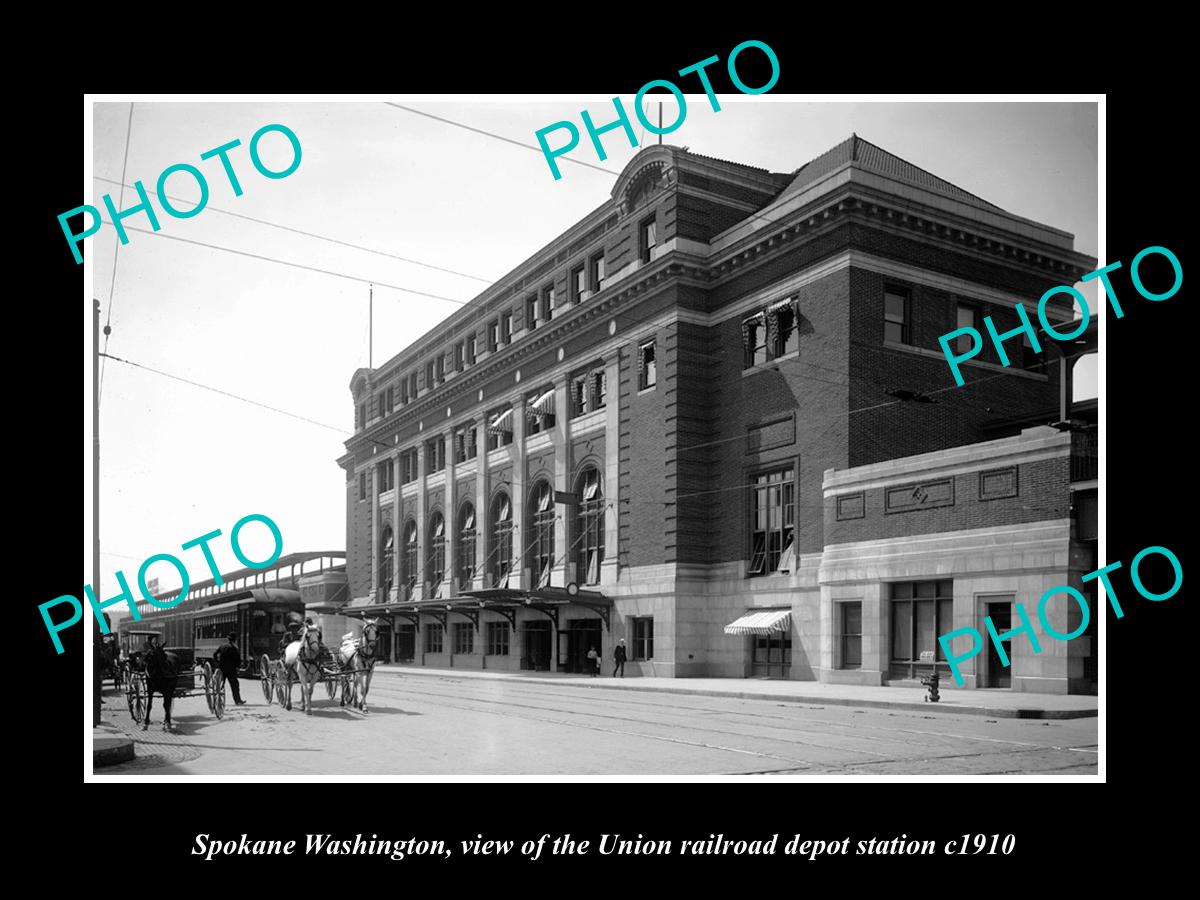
column 770, row 621
column 501, row 424
column 542, row 405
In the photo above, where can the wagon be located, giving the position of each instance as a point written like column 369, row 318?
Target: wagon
column 275, row 684
column 193, row 681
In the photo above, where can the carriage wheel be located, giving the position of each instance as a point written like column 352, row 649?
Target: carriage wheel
column 129, row 694
column 331, row 687
column 281, row 685
column 208, row 686
column 266, row 671
column 138, row 707
column 218, row 694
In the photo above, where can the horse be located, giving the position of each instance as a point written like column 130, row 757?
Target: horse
column 359, row 657
column 303, row 658
column 162, row 675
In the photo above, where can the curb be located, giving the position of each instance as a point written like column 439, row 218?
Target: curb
column 110, row 747
column 993, row 712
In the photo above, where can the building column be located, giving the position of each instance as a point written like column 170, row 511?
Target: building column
column 373, row 482
column 450, row 514
column 422, row 538
column 612, row 468
column 482, row 511
column 562, row 472
column 397, row 534
column 517, row 492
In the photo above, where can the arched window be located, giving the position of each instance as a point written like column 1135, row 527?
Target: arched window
column 437, row 552
column 412, row 558
column 589, row 537
column 502, row 540
column 387, row 562
column 466, row 545
column 541, row 517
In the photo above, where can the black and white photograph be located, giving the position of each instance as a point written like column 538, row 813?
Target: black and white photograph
column 429, row 447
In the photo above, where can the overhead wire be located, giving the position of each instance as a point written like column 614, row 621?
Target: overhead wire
column 112, row 285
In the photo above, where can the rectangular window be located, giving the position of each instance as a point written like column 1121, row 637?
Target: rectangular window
column 464, row 637
column 391, row 399
column 643, row 637
column 440, row 369
column 435, row 455
column 787, row 332
column 429, row 375
column 433, row 638
column 754, row 340
column 459, row 356
column 647, row 366
column 362, row 415
column 497, row 638
column 921, row 610
column 408, row 466
column 404, row 390
column 539, row 420
column 967, row 317
column 589, row 391
column 531, row 313
column 851, row 635
column 579, row 288
column 596, row 272
column 385, row 476
column 896, row 317
column 493, row 335
column 547, row 303
column 362, row 486
column 470, row 352
column 506, row 328
column 412, row 385
column 647, row 239
column 464, row 443
column 772, row 519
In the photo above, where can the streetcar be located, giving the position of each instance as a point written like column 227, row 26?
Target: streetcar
column 258, row 616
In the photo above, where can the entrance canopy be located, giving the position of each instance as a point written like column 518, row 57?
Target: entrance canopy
column 767, row 621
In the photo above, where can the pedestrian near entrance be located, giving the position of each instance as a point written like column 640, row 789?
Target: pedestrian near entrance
column 619, row 658
column 228, row 660
column 593, row 661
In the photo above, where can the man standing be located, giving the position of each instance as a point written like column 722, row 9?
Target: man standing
column 619, row 658
column 228, row 660
column 593, row 661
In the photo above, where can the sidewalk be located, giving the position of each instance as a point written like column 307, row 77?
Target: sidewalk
column 993, row 703
column 110, row 746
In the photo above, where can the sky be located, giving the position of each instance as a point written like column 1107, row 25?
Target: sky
column 178, row 461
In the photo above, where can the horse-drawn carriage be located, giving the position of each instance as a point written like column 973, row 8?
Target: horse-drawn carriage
column 171, row 672
column 307, row 661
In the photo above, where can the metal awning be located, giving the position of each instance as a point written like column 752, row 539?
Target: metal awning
column 542, row 405
column 768, row 621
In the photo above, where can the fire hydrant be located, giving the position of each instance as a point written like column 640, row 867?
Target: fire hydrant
column 931, row 682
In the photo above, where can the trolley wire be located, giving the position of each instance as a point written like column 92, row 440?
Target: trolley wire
column 116, row 255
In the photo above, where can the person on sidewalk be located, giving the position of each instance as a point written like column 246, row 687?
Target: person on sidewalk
column 619, row 658
column 593, row 661
column 228, row 660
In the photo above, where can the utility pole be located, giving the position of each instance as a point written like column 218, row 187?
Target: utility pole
column 96, row 670
column 660, row 122
column 371, row 328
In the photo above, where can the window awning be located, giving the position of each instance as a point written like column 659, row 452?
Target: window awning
column 501, row 424
column 769, row 621
column 542, row 405
column 779, row 305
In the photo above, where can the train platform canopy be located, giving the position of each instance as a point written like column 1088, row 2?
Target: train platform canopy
column 506, row 601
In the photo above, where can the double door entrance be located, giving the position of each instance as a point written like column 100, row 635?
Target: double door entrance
column 574, row 641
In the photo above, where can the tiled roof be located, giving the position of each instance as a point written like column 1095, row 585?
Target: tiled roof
column 865, row 155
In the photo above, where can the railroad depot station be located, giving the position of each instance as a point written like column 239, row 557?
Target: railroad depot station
column 712, row 420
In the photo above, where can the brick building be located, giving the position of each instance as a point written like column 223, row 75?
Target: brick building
column 690, row 408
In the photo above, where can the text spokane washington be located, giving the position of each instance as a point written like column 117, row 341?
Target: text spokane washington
column 317, row 844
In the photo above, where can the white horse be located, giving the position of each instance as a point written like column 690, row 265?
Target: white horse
column 359, row 657
column 302, row 661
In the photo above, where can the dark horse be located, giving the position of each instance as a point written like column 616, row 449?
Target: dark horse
column 162, row 674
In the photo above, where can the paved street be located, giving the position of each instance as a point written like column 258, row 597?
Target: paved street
column 422, row 725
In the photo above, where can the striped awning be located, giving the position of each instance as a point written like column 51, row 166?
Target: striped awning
column 781, row 304
column 501, row 424
column 542, row 405
column 768, row 621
